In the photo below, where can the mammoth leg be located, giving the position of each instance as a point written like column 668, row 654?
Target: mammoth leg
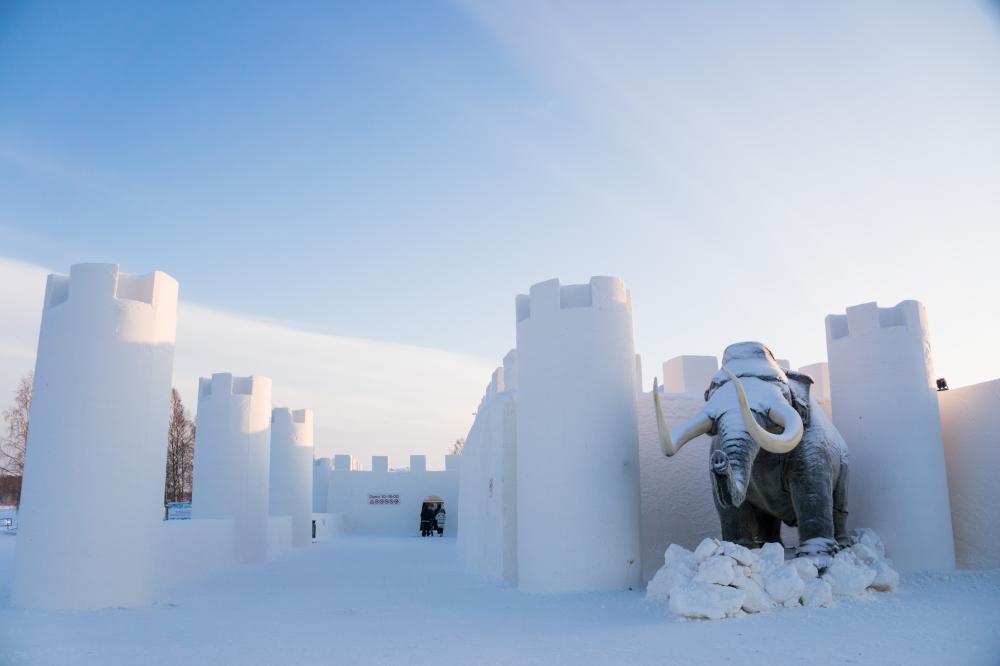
column 739, row 524
column 810, row 484
column 769, row 528
column 840, row 509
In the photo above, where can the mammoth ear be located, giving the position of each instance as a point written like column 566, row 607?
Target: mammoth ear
column 711, row 389
column 799, row 384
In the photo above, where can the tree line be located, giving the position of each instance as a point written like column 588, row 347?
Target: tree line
column 14, row 440
column 180, row 447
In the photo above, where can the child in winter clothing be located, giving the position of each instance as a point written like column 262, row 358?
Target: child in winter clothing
column 440, row 518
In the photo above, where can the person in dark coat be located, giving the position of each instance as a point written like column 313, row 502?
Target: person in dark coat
column 427, row 519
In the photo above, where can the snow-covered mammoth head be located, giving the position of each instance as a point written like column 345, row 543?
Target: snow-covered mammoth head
column 751, row 404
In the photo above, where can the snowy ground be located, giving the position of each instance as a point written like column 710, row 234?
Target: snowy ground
column 407, row 601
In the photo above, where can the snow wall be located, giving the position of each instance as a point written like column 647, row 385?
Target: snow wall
column 231, row 458
column 487, row 544
column 328, row 526
column 885, row 405
column 578, row 462
column 321, row 483
column 291, row 476
column 676, row 492
column 389, row 503
column 98, row 440
column 820, row 390
column 971, row 426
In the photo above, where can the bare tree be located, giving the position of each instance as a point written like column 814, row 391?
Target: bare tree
column 180, row 452
column 14, row 440
column 458, row 446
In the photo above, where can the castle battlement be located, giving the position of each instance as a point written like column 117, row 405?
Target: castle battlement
column 820, row 374
column 343, row 462
column 544, row 299
column 868, row 318
column 689, row 374
column 95, row 282
column 418, row 463
column 284, row 415
column 496, row 382
column 224, row 383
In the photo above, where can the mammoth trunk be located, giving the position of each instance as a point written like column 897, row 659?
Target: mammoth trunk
column 730, row 464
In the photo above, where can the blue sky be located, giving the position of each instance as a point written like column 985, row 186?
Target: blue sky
column 399, row 171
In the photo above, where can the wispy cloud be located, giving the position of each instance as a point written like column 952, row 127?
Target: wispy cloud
column 833, row 154
column 370, row 397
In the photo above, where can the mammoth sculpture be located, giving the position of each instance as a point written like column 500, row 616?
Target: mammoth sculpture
column 775, row 456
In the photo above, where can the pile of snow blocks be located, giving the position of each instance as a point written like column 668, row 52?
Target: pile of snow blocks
column 723, row 579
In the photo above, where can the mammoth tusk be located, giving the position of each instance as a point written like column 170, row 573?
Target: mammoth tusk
column 698, row 424
column 782, row 414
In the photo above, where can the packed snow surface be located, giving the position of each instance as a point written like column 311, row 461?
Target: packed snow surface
column 407, row 601
column 722, row 579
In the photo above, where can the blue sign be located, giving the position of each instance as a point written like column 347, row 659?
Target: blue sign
column 178, row 510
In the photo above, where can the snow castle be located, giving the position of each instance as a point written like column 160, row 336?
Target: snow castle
column 562, row 486
column 98, row 437
column 921, row 473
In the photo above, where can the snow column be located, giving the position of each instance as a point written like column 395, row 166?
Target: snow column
column 92, row 502
column 577, row 460
column 885, row 405
column 291, row 470
column 231, row 457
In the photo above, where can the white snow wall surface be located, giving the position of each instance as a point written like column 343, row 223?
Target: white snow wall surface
column 231, row 458
column 291, row 475
column 577, row 463
column 98, row 439
column 886, row 407
column 487, row 543
column 970, row 418
column 677, row 505
column 321, row 483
